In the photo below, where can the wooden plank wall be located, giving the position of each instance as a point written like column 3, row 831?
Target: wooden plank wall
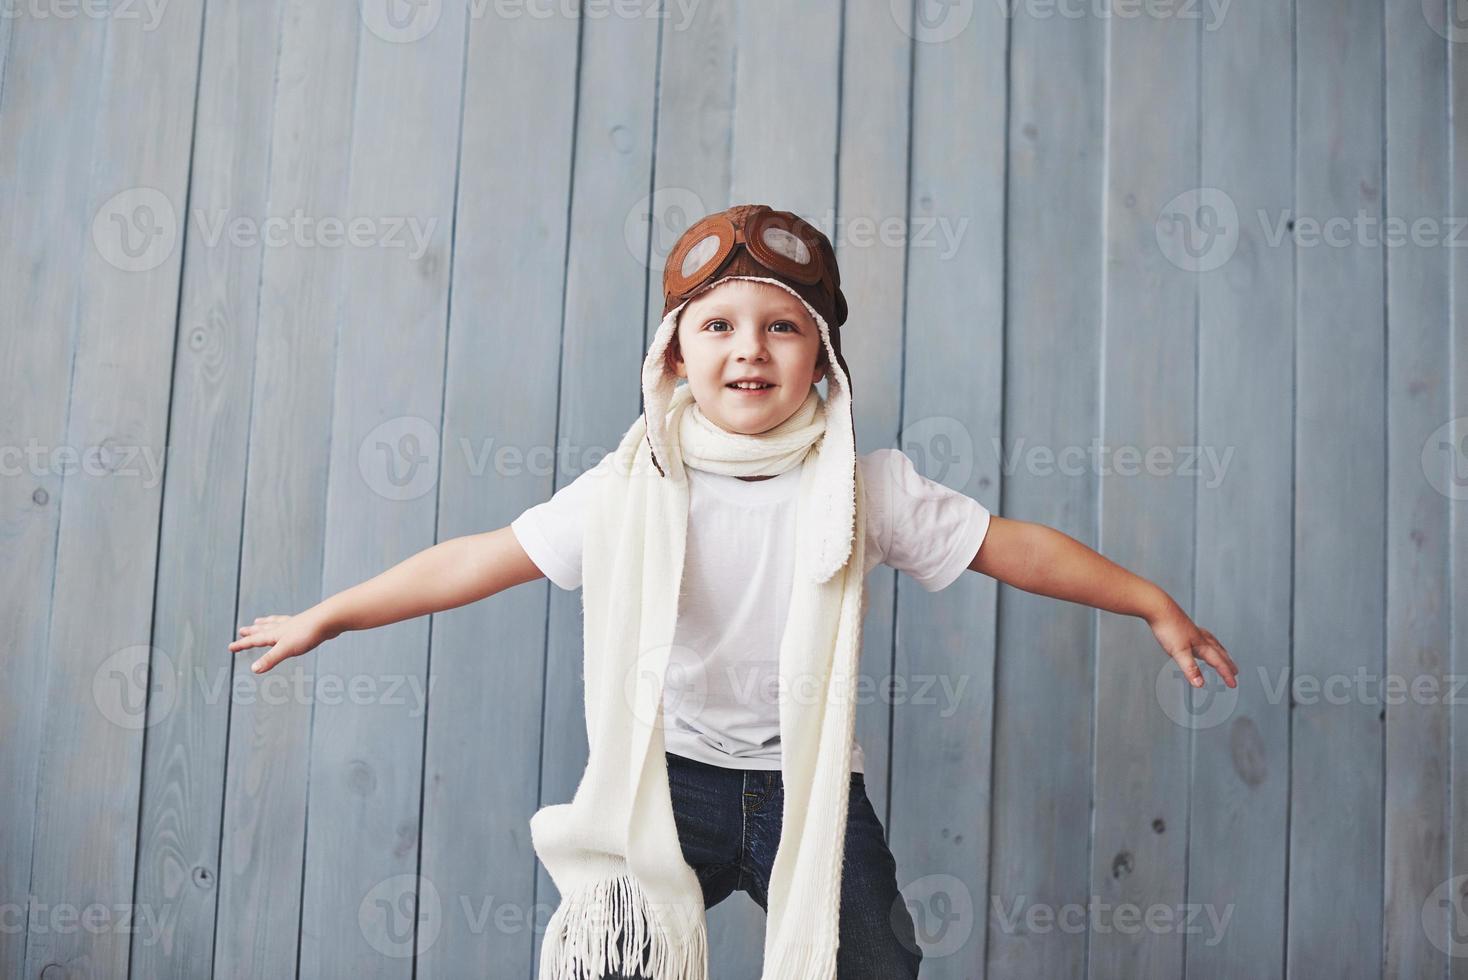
column 1075, row 238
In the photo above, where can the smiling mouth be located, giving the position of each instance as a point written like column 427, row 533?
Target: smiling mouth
column 749, row 388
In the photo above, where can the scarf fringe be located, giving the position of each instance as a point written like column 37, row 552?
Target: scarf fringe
column 607, row 928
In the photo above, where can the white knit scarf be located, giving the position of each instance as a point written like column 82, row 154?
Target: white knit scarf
column 629, row 901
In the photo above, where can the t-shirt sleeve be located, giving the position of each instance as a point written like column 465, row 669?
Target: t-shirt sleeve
column 923, row 528
column 550, row 532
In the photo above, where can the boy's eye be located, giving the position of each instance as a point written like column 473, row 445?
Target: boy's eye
column 714, row 324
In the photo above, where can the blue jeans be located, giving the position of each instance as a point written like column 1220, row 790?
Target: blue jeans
column 729, row 827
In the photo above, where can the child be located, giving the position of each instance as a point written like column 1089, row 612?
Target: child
column 721, row 550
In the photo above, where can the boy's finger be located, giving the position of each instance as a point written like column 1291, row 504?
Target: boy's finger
column 1221, row 664
column 1231, row 665
column 268, row 660
column 1226, row 658
column 1190, row 667
column 1216, row 642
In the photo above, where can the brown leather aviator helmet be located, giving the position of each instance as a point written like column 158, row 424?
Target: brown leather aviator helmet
column 756, row 240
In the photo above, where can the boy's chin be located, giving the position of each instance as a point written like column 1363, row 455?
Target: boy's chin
column 750, row 422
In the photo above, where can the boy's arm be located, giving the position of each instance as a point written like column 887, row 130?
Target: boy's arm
column 452, row 573
column 1044, row 561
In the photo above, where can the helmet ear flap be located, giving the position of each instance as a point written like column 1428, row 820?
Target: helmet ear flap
column 828, row 258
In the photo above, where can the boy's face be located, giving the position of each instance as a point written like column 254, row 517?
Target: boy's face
column 742, row 329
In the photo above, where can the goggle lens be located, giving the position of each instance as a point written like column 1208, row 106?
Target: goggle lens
column 786, row 244
column 698, row 256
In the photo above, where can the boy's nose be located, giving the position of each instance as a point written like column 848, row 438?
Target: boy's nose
column 752, row 347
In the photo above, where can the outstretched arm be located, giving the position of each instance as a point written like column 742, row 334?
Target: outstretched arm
column 1048, row 562
column 451, row 573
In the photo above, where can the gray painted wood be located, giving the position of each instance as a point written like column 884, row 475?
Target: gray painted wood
column 291, row 364
column 560, row 156
column 366, row 756
column 482, row 760
column 1245, row 383
column 46, row 137
column 1457, row 467
column 209, row 418
column 1417, row 806
column 952, row 395
column 1042, row 760
column 106, row 547
column 1334, row 910
column 7, row 32
column 1148, row 396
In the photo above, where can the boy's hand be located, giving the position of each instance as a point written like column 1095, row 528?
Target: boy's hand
column 287, row 636
column 1180, row 637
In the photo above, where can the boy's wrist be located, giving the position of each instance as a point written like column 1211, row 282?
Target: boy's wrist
column 324, row 620
column 1159, row 605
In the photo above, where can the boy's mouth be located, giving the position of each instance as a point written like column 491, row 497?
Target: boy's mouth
column 751, row 388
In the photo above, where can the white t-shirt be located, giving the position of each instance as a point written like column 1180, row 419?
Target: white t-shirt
column 722, row 684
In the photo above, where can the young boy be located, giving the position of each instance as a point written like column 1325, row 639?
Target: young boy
column 721, row 550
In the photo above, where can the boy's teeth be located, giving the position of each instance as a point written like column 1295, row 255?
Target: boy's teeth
column 742, row 384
